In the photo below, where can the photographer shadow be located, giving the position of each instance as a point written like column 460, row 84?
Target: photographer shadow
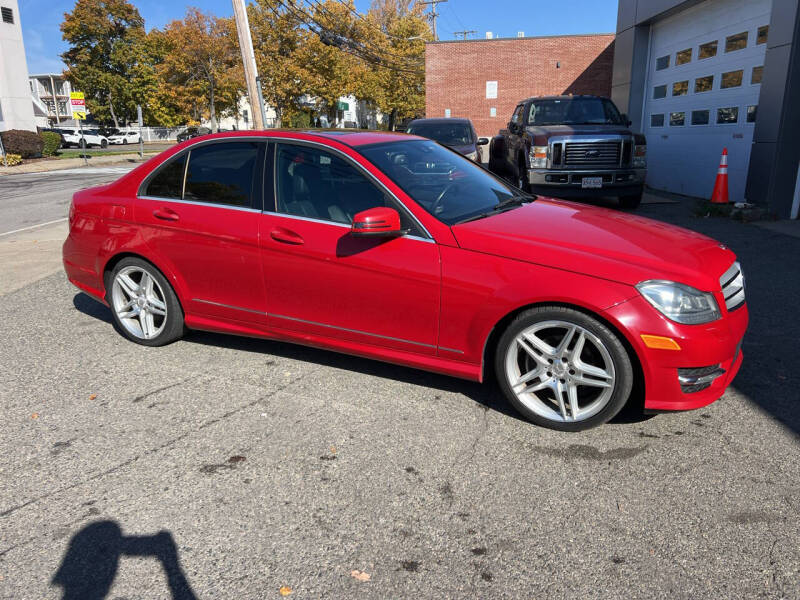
column 91, row 562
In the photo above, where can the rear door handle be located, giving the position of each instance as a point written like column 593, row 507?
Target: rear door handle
column 166, row 214
column 286, row 236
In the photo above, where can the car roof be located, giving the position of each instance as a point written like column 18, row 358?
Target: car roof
column 563, row 97
column 348, row 137
column 437, row 120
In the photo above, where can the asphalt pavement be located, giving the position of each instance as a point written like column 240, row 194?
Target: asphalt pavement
column 225, row 467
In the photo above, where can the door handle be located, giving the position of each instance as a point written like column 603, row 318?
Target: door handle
column 166, row 214
column 285, row 236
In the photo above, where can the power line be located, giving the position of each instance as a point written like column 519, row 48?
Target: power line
column 433, row 14
column 465, row 33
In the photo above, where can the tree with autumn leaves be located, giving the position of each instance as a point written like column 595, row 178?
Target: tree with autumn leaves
column 308, row 56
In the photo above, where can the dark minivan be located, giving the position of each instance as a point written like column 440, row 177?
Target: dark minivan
column 456, row 134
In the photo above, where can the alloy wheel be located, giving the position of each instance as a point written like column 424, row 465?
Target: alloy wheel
column 139, row 302
column 560, row 371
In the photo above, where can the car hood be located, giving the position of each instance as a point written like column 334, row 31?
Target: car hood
column 542, row 133
column 598, row 242
column 468, row 149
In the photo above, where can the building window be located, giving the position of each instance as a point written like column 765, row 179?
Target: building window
column 683, row 57
column 660, row 91
column 751, row 113
column 677, row 119
column 703, row 84
column 662, row 63
column 8, row 15
column 656, row 120
column 680, row 88
column 732, row 79
column 758, row 72
column 736, row 42
column 708, row 50
column 763, row 33
column 729, row 114
column 700, row 117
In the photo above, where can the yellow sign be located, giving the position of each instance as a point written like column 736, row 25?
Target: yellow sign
column 79, row 116
column 76, row 96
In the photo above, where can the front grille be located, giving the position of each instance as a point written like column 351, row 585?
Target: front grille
column 732, row 282
column 591, row 154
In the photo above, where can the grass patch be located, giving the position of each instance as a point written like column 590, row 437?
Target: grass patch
column 704, row 208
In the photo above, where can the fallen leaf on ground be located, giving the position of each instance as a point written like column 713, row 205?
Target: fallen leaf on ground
column 333, row 449
column 285, row 590
column 360, row 575
column 35, row 416
column 93, row 396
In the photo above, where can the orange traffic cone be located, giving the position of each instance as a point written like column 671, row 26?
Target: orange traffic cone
column 720, row 195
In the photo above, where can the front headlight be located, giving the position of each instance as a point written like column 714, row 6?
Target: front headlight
column 640, row 156
column 538, row 156
column 680, row 303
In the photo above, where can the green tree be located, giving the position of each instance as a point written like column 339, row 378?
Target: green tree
column 106, row 57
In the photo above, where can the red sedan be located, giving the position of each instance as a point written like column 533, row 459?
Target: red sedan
column 392, row 247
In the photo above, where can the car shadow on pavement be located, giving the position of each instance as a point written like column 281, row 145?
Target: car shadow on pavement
column 90, row 565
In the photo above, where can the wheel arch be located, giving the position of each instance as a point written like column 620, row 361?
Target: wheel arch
column 115, row 259
column 490, row 344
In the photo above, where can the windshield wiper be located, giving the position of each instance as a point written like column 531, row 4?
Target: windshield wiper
column 507, row 204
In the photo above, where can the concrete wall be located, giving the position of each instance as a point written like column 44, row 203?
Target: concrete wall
column 16, row 106
column 456, row 73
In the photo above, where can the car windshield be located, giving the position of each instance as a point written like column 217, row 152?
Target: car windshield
column 449, row 134
column 574, row 111
column 450, row 187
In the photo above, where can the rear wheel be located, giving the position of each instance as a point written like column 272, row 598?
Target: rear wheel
column 104, row 143
column 143, row 304
column 563, row 369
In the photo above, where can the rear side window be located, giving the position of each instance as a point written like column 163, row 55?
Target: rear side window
column 168, row 182
column 222, row 173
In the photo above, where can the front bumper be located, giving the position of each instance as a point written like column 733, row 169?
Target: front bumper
column 717, row 343
column 568, row 182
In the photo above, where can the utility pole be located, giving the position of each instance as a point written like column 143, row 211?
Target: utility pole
column 464, row 34
column 433, row 15
column 249, row 61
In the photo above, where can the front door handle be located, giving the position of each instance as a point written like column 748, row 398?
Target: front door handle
column 166, row 214
column 286, row 236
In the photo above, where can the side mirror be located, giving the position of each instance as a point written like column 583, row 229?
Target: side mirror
column 627, row 121
column 483, row 141
column 380, row 221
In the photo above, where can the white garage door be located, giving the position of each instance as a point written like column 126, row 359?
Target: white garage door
column 703, row 84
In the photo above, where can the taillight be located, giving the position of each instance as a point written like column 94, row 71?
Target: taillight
column 71, row 212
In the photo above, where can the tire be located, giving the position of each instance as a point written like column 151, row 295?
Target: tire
column 632, row 201
column 125, row 142
column 154, row 317
column 104, row 143
column 599, row 379
column 82, row 144
column 496, row 162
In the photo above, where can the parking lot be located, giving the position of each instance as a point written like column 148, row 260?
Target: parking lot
column 224, row 467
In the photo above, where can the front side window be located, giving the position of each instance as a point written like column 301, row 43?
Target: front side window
column 222, row 173
column 447, row 185
column 574, row 111
column 683, row 57
column 707, row 50
column 516, row 118
column 703, row 84
column 758, row 73
column 732, row 79
column 680, row 88
column 736, row 42
column 317, row 184
column 660, row 91
column 700, row 117
column 168, row 181
column 677, row 119
column 728, row 115
column 662, row 63
column 657, row 120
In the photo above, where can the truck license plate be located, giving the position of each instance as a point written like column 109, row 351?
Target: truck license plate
column 592, row 182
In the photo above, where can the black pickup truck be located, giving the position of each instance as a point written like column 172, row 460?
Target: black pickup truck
column 572, row 147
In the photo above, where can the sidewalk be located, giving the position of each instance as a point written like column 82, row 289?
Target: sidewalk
column 73, row 163
column 31, row 255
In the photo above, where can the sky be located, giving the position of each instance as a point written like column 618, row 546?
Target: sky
column 504, row 18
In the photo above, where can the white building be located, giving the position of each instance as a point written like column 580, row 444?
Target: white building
column 50, row 93
column 16, row 108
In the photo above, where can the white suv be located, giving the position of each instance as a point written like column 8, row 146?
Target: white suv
column 82, row 139
column 125, row 137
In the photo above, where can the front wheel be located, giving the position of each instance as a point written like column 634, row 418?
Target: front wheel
column 143, row 304
column 563, row 369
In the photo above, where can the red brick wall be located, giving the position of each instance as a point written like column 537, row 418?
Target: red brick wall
column 456, row 74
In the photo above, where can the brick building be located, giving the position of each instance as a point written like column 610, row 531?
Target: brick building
column 484, row 79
